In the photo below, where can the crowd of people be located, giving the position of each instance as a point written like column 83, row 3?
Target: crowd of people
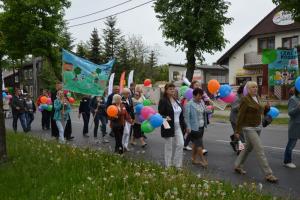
column 184, row 122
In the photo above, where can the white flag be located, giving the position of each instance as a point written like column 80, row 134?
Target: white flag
column 111, row 83
column 130, row 78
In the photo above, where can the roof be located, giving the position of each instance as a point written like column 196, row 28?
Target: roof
column 7, row 73
column 205, row 66
column 265, row 26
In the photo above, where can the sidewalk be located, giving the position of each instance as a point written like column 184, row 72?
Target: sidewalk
column 227, row 113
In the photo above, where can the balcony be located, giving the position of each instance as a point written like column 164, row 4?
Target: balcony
column 252, row 59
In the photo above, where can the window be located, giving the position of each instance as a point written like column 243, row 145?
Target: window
column 30, row 73
column 31, row 90
column 290, row 42
column 25, row 74
column 266, row 43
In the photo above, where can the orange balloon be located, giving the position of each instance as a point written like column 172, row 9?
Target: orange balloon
column 112, row 111
column 213, row 86
column 71, row 100
column 44, row 99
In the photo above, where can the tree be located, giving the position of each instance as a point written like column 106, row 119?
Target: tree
column 290, row 5
column 82, row 50
column 95, row 50
column 77, row 71
column 194, row 26
column 152, row 59
column 112, row 38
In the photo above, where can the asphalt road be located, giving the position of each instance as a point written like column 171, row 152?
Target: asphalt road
column 220, row 155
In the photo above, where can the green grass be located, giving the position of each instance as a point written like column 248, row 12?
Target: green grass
column 225, row 119
column 39, row 169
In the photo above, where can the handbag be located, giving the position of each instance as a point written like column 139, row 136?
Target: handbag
column 197, row 134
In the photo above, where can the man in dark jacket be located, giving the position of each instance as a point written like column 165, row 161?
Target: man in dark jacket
column 85, row 111
column 18, row 106
column 98, row 107
column 30, row 110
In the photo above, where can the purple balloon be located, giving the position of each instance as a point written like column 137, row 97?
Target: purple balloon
column 40, row 108
column 189, row 94
column 230, row 98
column 245, row 91
column 141, row 119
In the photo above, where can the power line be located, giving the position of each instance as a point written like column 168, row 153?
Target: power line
column 99, row 11
column 88, row 22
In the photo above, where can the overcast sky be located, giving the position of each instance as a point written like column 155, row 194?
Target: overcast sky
column 142, row 22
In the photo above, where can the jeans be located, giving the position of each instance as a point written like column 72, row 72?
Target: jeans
column 29, row 119
column 288, row 150
column 179, row 142
column 103, row 120
column 253, row 141
column 86, row 119
column 22, row 118
column 61, row 130
column 46, row 116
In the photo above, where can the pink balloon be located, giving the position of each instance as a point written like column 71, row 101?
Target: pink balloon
column 230, row 98
column 245, row 91
column 9, row 96
column 49, row 101
column 147, row 112
column 210, row 107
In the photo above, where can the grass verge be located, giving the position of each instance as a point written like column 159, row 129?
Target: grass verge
column 225, row 119
column 39, row 169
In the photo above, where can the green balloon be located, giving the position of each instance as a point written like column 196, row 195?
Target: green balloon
column 147, row 102
column 182, row 90
column 146, row 127
column 49, row 107
column 68, row 94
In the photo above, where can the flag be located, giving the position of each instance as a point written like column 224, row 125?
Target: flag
column 122, row 79
column 111, row 83
column 130, row 78
column 83, row 76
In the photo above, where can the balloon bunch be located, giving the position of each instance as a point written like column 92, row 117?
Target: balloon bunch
column 185, row 91
column 224, row 91
column 273, row 112
column 46, row 104
column 6, row 95
column 70, row 98
column 149, row 117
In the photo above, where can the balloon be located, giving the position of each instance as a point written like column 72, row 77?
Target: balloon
column 4, row 94
column 49, row 101
column 147, row 111
column 245, row 91
column 40, row 108
column 186, row 81
column 66, row 91
column 9, row 96
column 213, row 86
column 146, row 127
column 156, row 120
column 182, row 90
column 189, row 94
column 112, row 111
column 147, row 102
column 138, row 108
column 141, row 119
column 69, row 95
column 71, row 100
column 209, row 107
column 147, row 82
column 43, row 99
column 44, row 106
column 11, row 90
column 50, row 107
column 297, row 84
column 230, row 98
column 224, row 91
column 274, row 112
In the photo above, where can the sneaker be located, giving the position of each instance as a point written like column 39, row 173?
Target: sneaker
column 187, row 148
column 204, row 151
column 290, row 165
column 105, row 141
column 86, row 135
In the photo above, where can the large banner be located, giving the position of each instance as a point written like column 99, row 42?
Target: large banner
column 282, row 66
column 83, row 76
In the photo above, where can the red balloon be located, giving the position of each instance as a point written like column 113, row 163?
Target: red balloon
column 147, row 82
column 71, row 100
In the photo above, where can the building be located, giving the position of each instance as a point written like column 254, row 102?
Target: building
column 202, row 73
column 25, row 78
column 276, row 30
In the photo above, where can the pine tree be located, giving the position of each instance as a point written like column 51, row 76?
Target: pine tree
column 95, row 50
column 82, row 50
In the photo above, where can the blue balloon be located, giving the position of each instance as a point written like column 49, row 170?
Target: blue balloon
column 138, row 108
column 44, row 106
column 156, row 120
column 297, row 84
column 274, row 112
column 224, row 90
column 4, row 94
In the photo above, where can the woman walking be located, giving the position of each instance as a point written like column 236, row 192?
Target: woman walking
column 249, row 122
column 294, row 127
column 127, row 102
column 172, row 111
column 196, row 121
column 61, row 115
column 118, row 122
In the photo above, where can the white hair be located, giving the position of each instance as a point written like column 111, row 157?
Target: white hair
column 116, row 97
column 126, row 90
